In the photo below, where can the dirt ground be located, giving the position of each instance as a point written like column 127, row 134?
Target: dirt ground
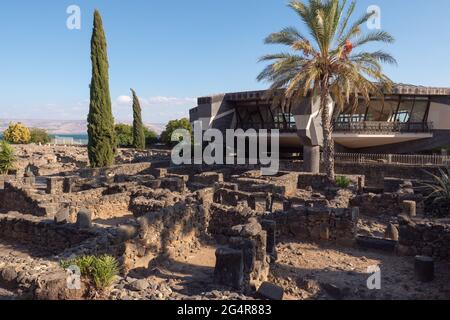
column 311, row 271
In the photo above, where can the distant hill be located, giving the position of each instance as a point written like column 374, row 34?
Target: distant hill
column 65, row 127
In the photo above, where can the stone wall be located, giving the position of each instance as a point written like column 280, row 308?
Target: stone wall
column 318, row 224
column 40, row 233
column 98, row 202
column 390, row 204
column 172, row 231
column 223, row 218
column 15, row 197
column 284, row 183
column 123, row 169
column 424, row 237
column 376, row 172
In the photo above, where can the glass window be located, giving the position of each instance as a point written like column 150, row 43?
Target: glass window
column 405, row 110
column 419, row 111
column 352, row 114
column 381, row 110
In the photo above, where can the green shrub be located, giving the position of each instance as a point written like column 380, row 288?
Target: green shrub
column 39, row 136
column 342, row 182
column 7, row 157
column 100, row 270
column 124, row 136
column 17, row 133
column 166, row 136
column 151, row 137
column 440, row 187
column 106, row 268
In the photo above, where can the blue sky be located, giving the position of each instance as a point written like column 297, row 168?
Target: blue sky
column 174, row 51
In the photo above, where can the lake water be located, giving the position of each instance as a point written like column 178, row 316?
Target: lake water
column 67, row 138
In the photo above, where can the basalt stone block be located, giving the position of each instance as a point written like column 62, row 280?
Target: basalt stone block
column 424, row 268
column 409, row 208
column 229, row 269
column 270, row 291
column 62, row 216
column 270, row 227
column 55, row 185
column 68, row 184
column 258, row 202
column 84, row 219
column 29, row 180
column 392, row 185
column 8, row 278
column 391, row 233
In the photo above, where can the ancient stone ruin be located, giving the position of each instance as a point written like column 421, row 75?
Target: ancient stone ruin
column 214, row 232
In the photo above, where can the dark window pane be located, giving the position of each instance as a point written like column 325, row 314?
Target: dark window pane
column 379, row 111
column 420, row 108
column 404, row 111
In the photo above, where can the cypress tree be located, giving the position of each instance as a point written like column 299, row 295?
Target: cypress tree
column 100, row 120
column 138, row 127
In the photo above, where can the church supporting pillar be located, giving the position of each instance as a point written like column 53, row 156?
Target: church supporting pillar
column 311, row 159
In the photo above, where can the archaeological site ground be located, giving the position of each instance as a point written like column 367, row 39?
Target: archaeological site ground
column 219, row 232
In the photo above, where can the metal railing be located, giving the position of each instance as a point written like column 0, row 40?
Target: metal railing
column 67, row 141
column 396, row 159
column 375, row 127
column 282, row 126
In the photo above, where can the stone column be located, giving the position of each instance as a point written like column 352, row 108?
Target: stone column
column 311, row 159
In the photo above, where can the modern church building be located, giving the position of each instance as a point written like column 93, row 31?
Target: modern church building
column 411, row 119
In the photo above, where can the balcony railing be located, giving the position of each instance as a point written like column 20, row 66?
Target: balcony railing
column 373, row 127
column 282, row 126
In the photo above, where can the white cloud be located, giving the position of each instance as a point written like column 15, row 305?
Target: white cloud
column 123, row 100
column 157, row 109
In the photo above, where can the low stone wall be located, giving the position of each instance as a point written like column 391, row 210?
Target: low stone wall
column 424, row 237
column 43, row 234
column 376, row 172
column 318, row 224
column 223, row 218
column 172, row 231
column 123, row 169
column 390, row 204
column 146, row 201
column 284, row 184
column 15, row 197
column 101, row 205
column 320, row 181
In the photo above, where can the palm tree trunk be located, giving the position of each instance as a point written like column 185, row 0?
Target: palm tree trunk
column 328, row 142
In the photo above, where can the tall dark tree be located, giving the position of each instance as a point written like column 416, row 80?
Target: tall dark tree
column 100, row 120
column 138, row 127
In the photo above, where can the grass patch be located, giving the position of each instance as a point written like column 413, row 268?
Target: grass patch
column 101, row 271
column 343, row 182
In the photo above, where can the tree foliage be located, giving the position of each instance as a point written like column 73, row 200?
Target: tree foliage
column 7, row 157
column 124, row 136
column 138, row 126
column 39, row 136
column 166, row 136
column 326, row 59
column 17, row 133
column 100, row 119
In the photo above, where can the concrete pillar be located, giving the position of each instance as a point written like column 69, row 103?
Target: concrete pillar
column 311, row 159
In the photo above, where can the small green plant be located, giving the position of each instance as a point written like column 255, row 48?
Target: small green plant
column 342, row 182
column 100, row 270
column 7, row 157
column 106, row 268
column 440, row 187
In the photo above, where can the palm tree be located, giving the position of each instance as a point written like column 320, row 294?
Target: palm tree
column 324, row 62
